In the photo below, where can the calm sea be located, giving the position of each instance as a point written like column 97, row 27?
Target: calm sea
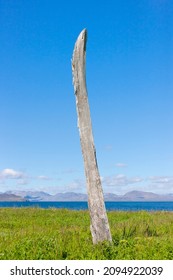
column 81, row 205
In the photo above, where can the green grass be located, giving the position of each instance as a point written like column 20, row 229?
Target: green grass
column 34, row 233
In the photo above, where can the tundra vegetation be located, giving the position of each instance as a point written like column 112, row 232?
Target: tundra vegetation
column 58, row 234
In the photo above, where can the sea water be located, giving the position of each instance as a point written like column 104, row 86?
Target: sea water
column 82, row 205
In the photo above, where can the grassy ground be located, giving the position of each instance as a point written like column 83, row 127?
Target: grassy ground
column 33, row 233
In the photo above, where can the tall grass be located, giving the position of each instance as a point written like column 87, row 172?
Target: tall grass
column 34, row 233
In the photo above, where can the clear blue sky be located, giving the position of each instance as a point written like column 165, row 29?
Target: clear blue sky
column 130, row 88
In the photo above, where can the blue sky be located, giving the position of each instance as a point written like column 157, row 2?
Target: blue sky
column 130, row 88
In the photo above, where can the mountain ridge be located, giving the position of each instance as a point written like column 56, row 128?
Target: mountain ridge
column 10, row 197
column 72, row 196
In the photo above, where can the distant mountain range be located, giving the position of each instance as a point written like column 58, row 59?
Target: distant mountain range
column 10, row 197
column 71, row 196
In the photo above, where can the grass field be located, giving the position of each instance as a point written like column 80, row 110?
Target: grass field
column 34, row 233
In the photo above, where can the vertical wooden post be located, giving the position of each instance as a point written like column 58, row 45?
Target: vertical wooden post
column 99, row 222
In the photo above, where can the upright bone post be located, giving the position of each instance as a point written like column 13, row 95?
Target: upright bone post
column 99, row 222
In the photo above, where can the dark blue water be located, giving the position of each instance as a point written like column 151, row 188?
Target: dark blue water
column 110, row 206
